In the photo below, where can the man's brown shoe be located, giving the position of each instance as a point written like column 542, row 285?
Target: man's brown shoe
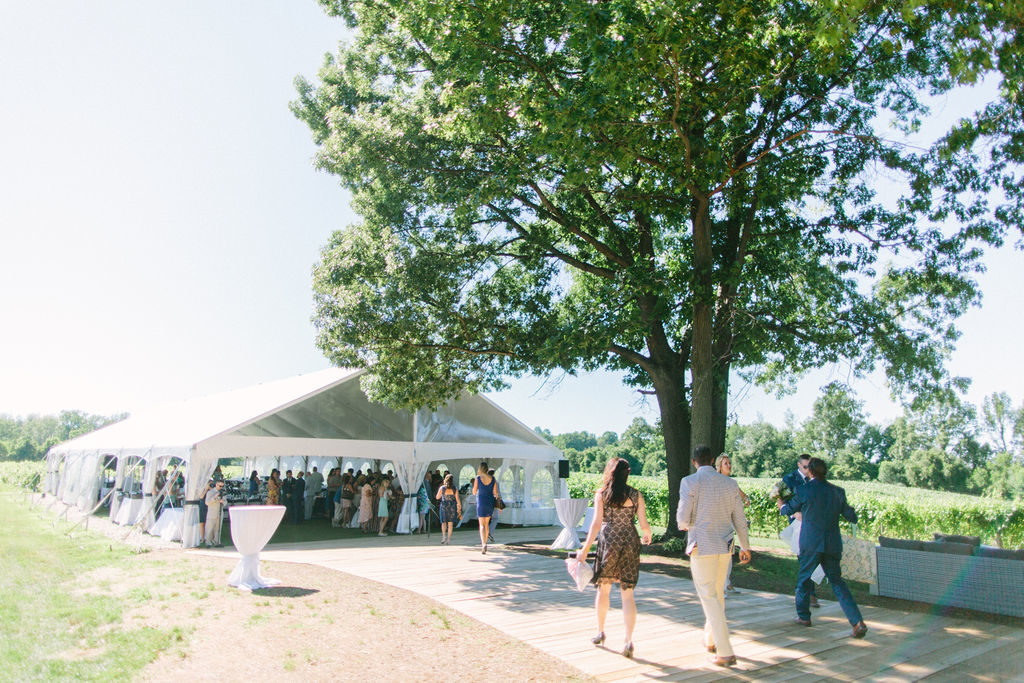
column 860, row 629
column 814, row 602
column 723, row 661
column 802, row 622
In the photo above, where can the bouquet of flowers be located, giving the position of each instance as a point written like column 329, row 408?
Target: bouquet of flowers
column 781, row 492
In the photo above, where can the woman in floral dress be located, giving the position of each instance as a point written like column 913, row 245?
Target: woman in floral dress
column 366, row 505
column 274, row 488
column 616, row 507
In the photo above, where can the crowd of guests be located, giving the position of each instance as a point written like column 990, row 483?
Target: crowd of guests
column 371, row 499
column 376, row 497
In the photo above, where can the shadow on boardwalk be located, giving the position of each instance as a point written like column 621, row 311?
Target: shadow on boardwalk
column 530, row 597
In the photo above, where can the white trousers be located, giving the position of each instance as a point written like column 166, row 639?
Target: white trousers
column 709, row 572
column 214, row 520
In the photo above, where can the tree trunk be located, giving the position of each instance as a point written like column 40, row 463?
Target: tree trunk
column 719, row 407
column 675, row 427
column 701, row 358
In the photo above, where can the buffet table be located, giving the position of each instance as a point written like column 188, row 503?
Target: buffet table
column 129, row 511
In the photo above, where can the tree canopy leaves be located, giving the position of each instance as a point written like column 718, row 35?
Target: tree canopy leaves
column 673, row 189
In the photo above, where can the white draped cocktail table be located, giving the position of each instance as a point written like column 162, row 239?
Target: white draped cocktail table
column 570, row 512
column 251, row 529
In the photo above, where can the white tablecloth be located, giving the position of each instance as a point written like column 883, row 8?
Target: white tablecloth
column 588, row 519
column 539, row 516
column 570, row 511
column 524, row 516
column 251, row 529
column 129, row 511
column 168, row 527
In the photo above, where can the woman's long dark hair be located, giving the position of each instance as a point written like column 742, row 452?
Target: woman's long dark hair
column 613, row 484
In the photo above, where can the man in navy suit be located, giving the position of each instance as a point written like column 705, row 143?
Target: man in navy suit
column 799, row 476
column 795, row 480
column 820, row 504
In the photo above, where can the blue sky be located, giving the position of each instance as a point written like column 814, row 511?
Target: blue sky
column 160, row 216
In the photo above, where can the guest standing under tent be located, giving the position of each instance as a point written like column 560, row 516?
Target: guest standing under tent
column 286, row 495
column 203, row 509
column 298, row 498
column 215, row 507
column 333, row 484
column 616, row 506
column 423, row 503
column 365, row 505
column 274, row 487
column 383, row 498
column 451, row 508
column 314, row 484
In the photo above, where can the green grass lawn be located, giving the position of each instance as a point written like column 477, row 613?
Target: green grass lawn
column 49, row 629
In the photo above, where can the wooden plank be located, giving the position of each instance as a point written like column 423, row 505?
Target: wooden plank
column 530, row 597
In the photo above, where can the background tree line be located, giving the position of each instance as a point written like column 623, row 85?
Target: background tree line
column 29, row 438
column 950, row 445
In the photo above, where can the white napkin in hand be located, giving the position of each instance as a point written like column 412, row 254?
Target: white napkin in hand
column 579, row 571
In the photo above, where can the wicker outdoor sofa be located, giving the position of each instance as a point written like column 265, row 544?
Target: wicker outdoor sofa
column 955, row 571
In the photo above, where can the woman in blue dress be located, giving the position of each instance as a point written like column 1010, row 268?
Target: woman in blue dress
column 485, row 488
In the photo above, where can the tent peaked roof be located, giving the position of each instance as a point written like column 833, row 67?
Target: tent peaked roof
column 305, row 414
column 186, row 423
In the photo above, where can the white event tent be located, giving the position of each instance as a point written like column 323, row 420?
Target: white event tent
column 321, row 419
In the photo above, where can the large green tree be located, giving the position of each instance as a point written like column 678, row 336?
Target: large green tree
column 673, row 189
column 836, row 422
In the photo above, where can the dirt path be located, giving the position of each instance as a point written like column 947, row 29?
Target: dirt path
column 318, row 625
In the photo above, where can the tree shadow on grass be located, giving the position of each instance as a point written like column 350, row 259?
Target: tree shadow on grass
column 285, row 592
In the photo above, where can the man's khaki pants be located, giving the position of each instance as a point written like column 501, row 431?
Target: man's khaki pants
column 709, row 572
column 213, row 524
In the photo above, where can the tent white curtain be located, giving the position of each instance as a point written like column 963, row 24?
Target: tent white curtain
column 154, row 465
column 117, row 497
column 199, row 472
column 410, row 476
column 62, row 479
column 52, row 481
column 92, row 470
column 74, row 477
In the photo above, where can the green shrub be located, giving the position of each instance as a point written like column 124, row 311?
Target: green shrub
column 882, row 509
column 23, row 474
column 675, row 545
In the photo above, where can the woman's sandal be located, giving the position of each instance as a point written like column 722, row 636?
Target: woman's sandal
column 598, row 639
column 628, row 651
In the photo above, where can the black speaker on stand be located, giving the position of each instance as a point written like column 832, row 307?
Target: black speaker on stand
column 563, row 469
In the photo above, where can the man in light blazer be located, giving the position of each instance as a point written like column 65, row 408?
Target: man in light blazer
column 822, row 504
column 711, row 510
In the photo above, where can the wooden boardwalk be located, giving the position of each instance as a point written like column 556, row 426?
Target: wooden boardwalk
column 530, row 598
